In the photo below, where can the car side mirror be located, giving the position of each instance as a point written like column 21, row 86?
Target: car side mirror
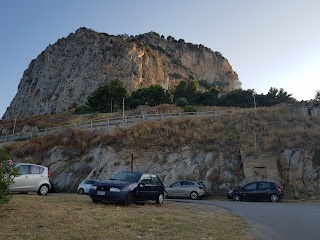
column 142, row 183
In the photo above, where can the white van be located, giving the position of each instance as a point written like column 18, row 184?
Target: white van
column 32, row 178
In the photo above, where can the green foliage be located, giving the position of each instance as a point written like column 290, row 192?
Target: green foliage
column 189, row 108
column 83, row 110
column 175, row 75
column 274, row 97
column 317, row 96
column 7, row 174
column 237, row 98
column 316, row 157
column 181, row 102
column 188, row 90
column 107, row 98
column 209, row 98
column 151, row 96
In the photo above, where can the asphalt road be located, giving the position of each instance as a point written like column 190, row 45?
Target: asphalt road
column 275, row 221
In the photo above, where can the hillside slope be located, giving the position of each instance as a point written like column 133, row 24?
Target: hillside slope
column 280, row 144
column 67, row 72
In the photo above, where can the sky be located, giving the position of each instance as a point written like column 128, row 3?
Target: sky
column 268, row 43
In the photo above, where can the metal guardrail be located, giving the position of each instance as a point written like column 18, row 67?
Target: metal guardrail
column 118, row 121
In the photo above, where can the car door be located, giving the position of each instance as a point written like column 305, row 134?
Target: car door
column 146, row 188
column 248, row 192
column 186, row 188
column 35, row 177
column 263, row 191
column 21, row 182
column 174, row 190
column 157, row 186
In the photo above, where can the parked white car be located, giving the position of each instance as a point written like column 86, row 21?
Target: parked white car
column 85, row 186
column 32, row 178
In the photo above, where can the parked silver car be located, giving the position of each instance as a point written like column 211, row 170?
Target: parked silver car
column 186, row 189
column 85, row 186
column 32, row 178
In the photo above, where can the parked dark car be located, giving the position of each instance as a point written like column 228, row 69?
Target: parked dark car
column 127, row 188
column 186, row 189
column 257, row 191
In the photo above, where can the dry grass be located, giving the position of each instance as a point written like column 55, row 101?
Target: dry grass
column 71, row 216
column 254, row 131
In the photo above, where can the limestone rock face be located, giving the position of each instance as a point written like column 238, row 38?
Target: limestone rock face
column 67, row 72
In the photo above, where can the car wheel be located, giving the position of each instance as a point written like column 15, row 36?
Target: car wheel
column 194, row 195
column 160, row 198
column 129, row 199
column 274, row 198
column 236, row 197
column 81, row 191
column 43, row 190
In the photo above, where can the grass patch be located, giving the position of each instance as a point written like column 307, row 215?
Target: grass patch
column 71, row 216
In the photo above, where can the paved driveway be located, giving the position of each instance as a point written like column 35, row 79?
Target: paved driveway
column 275, row 221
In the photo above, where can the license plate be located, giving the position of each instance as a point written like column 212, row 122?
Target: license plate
column 101, row 193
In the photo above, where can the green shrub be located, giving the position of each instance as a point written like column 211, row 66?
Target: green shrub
column 181, row 102
column 189, row 108
column 7, row 174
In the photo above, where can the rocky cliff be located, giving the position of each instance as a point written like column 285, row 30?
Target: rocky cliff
column 67, row 72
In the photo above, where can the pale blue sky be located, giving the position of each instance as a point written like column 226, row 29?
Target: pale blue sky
column 274, row 43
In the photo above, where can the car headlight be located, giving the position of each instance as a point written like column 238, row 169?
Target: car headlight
column 230, row 191
column 113, row 189
column 94, row 187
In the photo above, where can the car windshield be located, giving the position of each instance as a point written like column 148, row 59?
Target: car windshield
column 127, row 176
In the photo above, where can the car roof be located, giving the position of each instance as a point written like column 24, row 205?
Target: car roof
column 29, row 164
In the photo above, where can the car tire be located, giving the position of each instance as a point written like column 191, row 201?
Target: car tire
column 236, row 197
column 194, row 195
column 81, row 191
column 274, row 198
column 129, row 199
column 160, row 198
column 43, row 190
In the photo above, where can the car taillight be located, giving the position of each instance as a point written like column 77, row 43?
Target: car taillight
column 48, row 173
column 278, row 189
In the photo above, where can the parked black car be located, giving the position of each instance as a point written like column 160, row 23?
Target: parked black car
column 128, row 187
column 257, row 191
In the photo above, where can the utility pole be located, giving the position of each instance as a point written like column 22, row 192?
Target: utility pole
column 132, row 162
column 123, row 110
column 254, row 99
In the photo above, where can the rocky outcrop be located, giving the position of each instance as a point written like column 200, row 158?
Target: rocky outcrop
column 219, row 171
column 67, row 72
column 292, row 169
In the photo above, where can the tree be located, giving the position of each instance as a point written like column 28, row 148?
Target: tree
column 151, row 96
column 317, row 96
column 209, row 98
column 275, row 96
column 7, row 174
column 108, row 98
column 188, row 90
column 237, row 98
